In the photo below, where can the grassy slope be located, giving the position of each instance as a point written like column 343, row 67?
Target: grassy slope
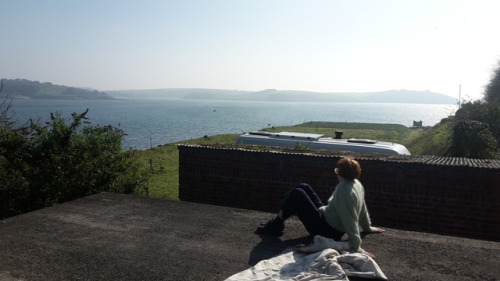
column 386, row 132
column 162, row 162
column 436, row 141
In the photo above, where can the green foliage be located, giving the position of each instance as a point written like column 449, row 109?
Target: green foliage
column 300, row 147
column 436, row 141
column 43, row 165
column 21, row 88
column 476, row 133
column 473, row 139
column 162, row 164
column 492, row 93
column 487, row 113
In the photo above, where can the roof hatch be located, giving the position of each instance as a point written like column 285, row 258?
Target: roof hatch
column 362, row 141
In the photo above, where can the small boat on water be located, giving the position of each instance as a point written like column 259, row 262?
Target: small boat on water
column 319, row 141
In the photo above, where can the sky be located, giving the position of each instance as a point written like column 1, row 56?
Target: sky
column 444, row 46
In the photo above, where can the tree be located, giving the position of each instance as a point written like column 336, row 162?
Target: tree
column 473, row 139
column 476, row 133
column 492, row 93
column 61, row 160
column 487, row 113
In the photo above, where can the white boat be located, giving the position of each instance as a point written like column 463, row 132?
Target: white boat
column 319, row 141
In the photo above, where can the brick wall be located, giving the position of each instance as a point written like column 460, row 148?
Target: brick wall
column 401, row 192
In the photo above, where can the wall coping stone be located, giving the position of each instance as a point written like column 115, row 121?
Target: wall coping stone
column 410, row 159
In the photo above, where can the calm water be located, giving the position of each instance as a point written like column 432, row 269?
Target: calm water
column 158, row 122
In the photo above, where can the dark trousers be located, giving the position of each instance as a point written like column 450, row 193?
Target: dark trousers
column 304, row 203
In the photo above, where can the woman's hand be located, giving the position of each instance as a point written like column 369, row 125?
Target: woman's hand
column 376, row 230
column 368, row 254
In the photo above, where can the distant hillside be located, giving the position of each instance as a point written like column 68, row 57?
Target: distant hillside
column 393, row 96
column 26, row 89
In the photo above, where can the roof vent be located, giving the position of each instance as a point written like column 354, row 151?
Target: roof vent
column 260, row 133
column 338, row 134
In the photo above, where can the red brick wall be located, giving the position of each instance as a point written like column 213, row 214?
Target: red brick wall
column 443, row 199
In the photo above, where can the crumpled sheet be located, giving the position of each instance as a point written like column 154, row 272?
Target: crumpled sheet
column 318, row 261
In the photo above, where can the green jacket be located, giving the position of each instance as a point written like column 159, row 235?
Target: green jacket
column 346, row 211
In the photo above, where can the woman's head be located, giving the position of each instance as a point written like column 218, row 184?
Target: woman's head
column 348, row 168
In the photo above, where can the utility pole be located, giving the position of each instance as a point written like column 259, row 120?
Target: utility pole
column 459, row 95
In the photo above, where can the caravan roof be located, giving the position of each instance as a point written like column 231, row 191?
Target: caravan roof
column 318, row 141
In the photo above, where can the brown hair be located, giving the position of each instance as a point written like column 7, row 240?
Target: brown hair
column 348, row 168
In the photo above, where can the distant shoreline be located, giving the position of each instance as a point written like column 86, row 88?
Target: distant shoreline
column 26, row 89
column 392, row 96
column 53, row 98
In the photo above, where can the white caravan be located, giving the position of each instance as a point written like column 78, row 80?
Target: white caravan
column 318, row 141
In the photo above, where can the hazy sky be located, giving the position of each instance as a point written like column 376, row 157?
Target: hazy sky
column 323, row 46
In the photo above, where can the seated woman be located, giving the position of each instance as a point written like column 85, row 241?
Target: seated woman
column 346, row 211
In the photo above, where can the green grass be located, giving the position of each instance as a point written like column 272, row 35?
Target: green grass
column 386, row 132
column 162, row 162
column 433, row 142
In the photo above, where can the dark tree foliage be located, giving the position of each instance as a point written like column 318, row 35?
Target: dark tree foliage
column 492, row 93
column 473, row 139
column 476, row 133
column 487, row 113
column 20, row 87
column 43, row 165
column 37, row 90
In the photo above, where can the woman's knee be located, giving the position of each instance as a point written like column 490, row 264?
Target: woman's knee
column 298, row 191
column 304, row 186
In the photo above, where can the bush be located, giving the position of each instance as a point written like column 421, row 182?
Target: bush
column 476, row 133
column 487, row 113
column 62, row 160
column 473, row 139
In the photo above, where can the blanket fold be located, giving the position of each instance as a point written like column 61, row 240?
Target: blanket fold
column 319, row 262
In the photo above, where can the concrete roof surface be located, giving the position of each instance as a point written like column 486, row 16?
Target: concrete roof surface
column 124, row 237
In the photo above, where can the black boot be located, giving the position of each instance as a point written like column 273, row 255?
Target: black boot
column 273, row 227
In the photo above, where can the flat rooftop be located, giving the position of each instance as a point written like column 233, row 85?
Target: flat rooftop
column 124, row 237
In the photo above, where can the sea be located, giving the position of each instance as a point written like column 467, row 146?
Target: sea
column 149, row 123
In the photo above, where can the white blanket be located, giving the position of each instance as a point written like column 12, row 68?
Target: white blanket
column 319, row 261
